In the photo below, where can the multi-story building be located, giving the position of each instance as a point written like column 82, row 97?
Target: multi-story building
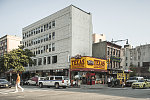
column 98, row 38
column 111, row 52
column 125, row 57
column 9, row 42
column 140, row 58
column 57, row 38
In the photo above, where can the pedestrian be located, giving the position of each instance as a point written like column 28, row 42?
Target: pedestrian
column 123, row 83
column 18, row 83
column 109, row 81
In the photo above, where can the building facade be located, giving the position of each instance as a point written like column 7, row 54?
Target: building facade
column 110, row 52
column 57, row 38
column 98, row 38
column 140, row 58
column 8, row 43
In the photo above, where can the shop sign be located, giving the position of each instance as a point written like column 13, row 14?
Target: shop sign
column 88, row 62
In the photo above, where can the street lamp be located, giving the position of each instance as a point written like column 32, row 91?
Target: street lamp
column 120, row 41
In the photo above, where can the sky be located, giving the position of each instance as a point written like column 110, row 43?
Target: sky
column 117, row 19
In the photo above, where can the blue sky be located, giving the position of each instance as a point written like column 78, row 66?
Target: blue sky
column 117, row 19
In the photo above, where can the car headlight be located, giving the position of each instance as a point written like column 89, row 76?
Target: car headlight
column 140, row 84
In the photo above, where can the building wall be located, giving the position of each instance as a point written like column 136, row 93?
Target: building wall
column 13, row 42
column 98, row 37
column 8, row 43
column 71, row 37
column 81, row 32
column 99, row 49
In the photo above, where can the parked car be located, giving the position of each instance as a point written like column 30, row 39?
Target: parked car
column 5, row 83
column 141, row 84
column 34, row 80
column 55, row 81
column 133, row 79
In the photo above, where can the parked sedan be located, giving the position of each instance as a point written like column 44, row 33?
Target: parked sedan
column 5, row 83
column 141, row 84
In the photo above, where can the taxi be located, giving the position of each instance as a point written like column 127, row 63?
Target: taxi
column 141, row 84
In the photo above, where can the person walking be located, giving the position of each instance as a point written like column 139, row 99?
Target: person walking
column 18, row 83
column 109, row 81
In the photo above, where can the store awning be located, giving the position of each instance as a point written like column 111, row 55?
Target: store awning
column 88, row 69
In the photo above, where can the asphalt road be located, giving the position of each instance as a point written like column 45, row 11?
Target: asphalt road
column 35, row 93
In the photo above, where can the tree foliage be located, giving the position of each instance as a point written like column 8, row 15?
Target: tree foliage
column 134, row 70
column 16, row 59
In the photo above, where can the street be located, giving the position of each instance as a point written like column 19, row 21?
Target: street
column 36, row 93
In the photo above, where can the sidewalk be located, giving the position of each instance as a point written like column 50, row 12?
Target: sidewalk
column 96, row 86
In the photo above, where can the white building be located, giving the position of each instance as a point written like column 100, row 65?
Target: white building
column 58, row 37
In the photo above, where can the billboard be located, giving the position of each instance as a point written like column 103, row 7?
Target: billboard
column 88, row 63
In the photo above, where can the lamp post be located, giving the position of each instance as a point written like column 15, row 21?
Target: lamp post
column 120, row 41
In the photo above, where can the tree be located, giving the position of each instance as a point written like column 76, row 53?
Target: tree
column 134, row 70
column 16, row 59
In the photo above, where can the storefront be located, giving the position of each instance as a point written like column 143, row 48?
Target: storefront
column 88, row 70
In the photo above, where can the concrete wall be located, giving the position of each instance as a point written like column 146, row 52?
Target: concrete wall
column 73, row 35
column 98, row 37
column 81, row 32
column 13, row 42
column 99, row 49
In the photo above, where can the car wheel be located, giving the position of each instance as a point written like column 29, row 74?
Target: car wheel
column 144, row 86
column 28, row 83
column 133, row 87
column 41, row 85
column 56, row 85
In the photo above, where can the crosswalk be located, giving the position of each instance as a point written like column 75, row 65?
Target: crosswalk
column 12, row 90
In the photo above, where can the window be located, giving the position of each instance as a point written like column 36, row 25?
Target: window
column 49, row 36
column 58, row 78
column 41, row 28
column 114, row 52
column 53, row 23
column 46, row 37
column 46, row 48
column 35, row 62
column 44, row 61
column 48, row 60
column 51, row 78
column 38, row 50
column 47, row 26
column 36, row 30
column 39, row 61
column 53, row 46
column 126, row 64
column 108, row 51
column 53, row 35
column 54, row 59
column 41, row 49
column 50, row 25
column 49, row 47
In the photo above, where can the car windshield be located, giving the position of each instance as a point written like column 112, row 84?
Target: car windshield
column 132, row 78
column 141, row 81
column 66, row 78
column 3, row 81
